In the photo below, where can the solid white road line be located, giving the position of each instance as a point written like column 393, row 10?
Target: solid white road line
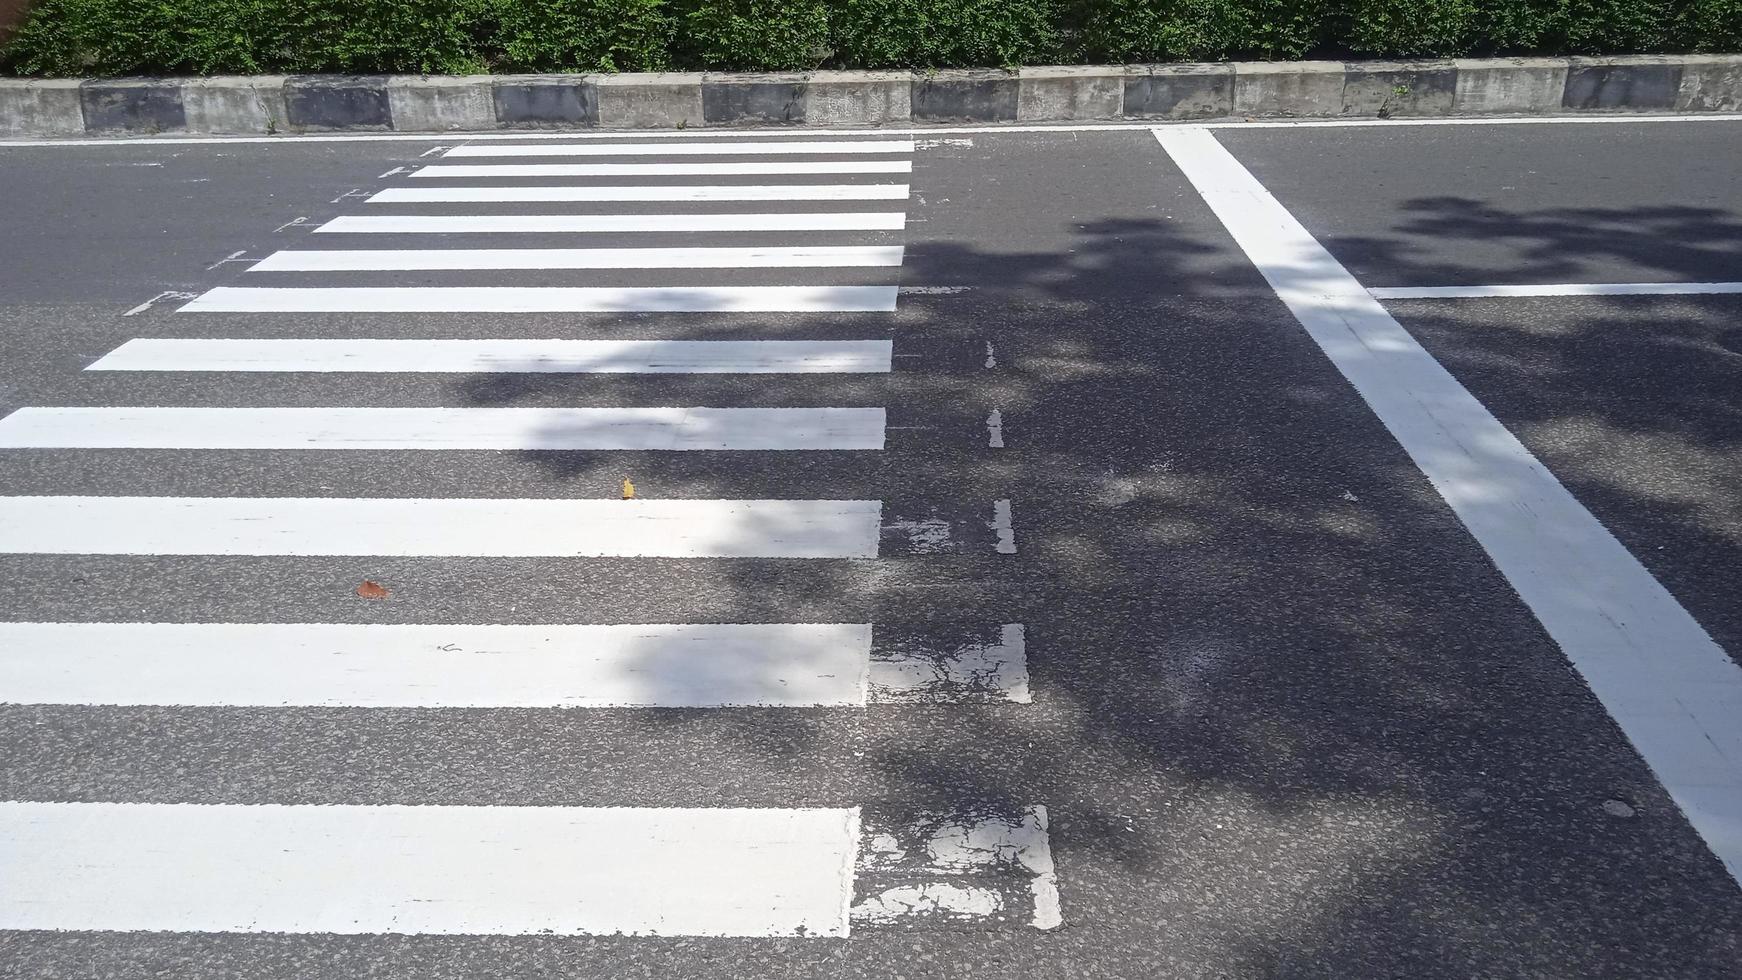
column 711, row 169
column 553, row 224
column 753, row 257
column 1559, row 289
column 545, row 299
column 1670, row 688
column 522, row 429
column 784, row 665
column 504, row 356
column 672, row 149
column 645, row 192
column 440, row 527
column 453, row 870
column 989, row 129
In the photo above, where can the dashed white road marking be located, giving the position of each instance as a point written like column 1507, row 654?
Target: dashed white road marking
column 758, row 148
column 1003, row 523
column 440, row 527
column 503, row 356
column 708, row 169
column 784, row 665
column 544, row 299
column 642, row 192
column 1559, row 289
column 506, row 429
column 148, row 304
column 995, row 429
column 1670, row 688
column 745, row 257
column 557, row 224
column 235, row 256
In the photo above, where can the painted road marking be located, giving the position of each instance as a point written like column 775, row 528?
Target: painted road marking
column 552, row 224
column 753, row 257
column 760, row 148
column 521, row 870
column 803, row 665
column 711, row 169
column 990, row 129
column 644, row 192
column 440, row 527
column 451, row 870
column 544, row 299
column 522, row 429
column 961, row 867
column 1004, row 525
column 504, row 356
column 1671, row 689
column 1559, row 289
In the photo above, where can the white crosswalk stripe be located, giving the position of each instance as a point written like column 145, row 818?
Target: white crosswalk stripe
column 330, row 864
column 444, row 428
column 503, row 356
column 647, row 192
column 432, row 527
column 710, row 665
column 562, row 224
column 543, row 299
column 509, row 870
column 710, row 169
column 433, row 259
column 677, row 149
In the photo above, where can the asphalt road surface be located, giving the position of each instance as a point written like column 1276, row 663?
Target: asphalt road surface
column 1028, row 553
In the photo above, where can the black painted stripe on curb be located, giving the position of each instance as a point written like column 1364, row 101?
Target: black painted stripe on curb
column 146, row 106
column 975, row 99
column 338, row 103
column 1622, row 87
column 535, row 100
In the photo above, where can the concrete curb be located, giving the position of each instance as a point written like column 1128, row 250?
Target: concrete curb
column 1308, row 89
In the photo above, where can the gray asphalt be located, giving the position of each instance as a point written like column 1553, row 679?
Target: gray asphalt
column 1289, row 720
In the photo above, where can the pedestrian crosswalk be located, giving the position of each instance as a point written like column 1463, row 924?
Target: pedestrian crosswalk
column 549, row 356
column 678, row 231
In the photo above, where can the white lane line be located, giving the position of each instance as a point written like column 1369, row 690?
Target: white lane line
column 784, row 665
column 1559, row 289
column 995, row 429
column 556, row 224
column 439, row 527
column 990, row 129
column 448, row 870
column 712, row 169
column 422, row 259
column 646, row 192
column 671, row 149
column 1671, row 689
column 509, row 429
column 504, row 356
column 544, row 299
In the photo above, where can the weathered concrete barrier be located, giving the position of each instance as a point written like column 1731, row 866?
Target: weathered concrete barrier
column 1326, row 89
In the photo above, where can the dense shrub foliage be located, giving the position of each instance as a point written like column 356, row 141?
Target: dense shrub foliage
column 121, row 37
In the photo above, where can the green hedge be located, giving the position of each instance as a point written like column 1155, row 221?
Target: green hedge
column 127, row 37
